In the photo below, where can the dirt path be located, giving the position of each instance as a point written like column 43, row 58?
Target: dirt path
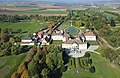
column 105, row 42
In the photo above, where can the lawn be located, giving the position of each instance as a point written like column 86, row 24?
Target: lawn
column 93, row 42
column 103, row 69
column 55, row 42
column 9, row 64
column 25, row 26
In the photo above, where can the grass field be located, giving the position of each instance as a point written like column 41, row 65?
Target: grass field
column 92, row 42
column 25, row 26
column 32, row 12
column 9, row 64
column 103, row 69
column 102, row 8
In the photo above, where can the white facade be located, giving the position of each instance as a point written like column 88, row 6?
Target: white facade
column 83, row 46
column 71, row 46
column 24, row 44
column 90, row 38
column 29, row 40
column 57, row 37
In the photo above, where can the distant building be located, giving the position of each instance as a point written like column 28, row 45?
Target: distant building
column 57, row 35
column 90, row 36
column 27, row 41
column 87, row 36
column 74, row 43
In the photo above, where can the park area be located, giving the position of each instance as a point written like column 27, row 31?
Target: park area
column 103, row 69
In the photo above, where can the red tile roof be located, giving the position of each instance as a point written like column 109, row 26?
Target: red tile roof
column 89, row 34
column 39, row 34
column 73, row 41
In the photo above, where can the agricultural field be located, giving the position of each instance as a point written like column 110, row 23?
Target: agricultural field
column 39, row 12
column 9, row 64
column 103, row 69
column 32, row 9
column 26, row 27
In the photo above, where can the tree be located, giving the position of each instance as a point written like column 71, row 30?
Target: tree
column 49, row 62
column 0, row 31
column 112, row 22
column 92, row 69
column 12, row 40
column 45, row 72
column 15, row 75
column 33, row 68
column 79, row 23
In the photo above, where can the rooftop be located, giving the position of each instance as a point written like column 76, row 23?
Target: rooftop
column 88, row 34
column 73, row 41
column 26, row 38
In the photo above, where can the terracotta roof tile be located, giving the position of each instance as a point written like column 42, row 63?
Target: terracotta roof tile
column 73, row 41
column 89, row 34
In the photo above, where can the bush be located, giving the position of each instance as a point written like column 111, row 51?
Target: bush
column 77, row 63
column 92, row 69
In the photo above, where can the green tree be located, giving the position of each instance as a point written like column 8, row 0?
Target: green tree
column 79, row 23
column 45, row 73
column 112, row 22
column 33, row 68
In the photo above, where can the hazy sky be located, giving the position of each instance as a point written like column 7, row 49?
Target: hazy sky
column 68, row 1
column 73, row 0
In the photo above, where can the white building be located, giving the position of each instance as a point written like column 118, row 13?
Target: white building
column 90, row 36
column 57, row 35
column 74, row 44
column 87, row 36
column 27, row 41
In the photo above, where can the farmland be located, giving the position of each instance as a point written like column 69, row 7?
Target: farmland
column 32, row 9
column 27, row 27
column 20, row 20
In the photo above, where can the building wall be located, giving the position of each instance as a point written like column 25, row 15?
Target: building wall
column 64, row 39
column 26, row 41
column 24, row 44
column 83, row 46
column 92, row 38
column 69, row 46
column 57, row 37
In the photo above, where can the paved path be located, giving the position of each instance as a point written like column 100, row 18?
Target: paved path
column 81, row 53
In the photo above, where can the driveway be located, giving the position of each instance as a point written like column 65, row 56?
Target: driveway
column 81, row 53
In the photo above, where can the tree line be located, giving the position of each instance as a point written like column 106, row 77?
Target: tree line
column 42, row 62
column 7, row 42
column 19, row 18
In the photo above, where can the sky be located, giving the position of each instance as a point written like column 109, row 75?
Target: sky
column 67, row 1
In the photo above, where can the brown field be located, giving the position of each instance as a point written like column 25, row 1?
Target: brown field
column 16, row 9
column 51, row 7
column 53, row 14
column 116, row 11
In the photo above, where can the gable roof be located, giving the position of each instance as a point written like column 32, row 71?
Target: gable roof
column 73, row 41
column 88, row 34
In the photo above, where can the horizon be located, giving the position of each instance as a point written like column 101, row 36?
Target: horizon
column 61, row 1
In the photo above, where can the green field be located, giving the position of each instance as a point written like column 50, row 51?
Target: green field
column 93, row 42
column 9, row 64
column 102, row 8
column 103, row 69
column 25, row 26
column 32, row 12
